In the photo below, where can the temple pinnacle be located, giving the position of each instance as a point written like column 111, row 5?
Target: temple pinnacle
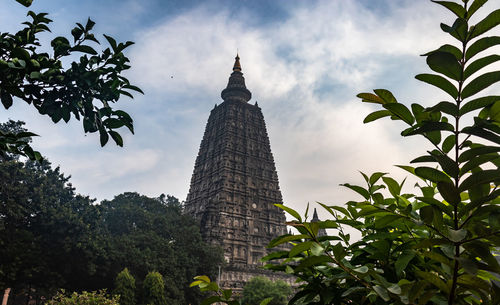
column 237, row 66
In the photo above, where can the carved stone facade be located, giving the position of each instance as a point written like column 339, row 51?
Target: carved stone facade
column 235, row 185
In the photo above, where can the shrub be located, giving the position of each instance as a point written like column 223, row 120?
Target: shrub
column 84, row 298
column 125, row 287
column 154, row 289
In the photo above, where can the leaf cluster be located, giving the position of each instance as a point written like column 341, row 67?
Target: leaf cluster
column 85, row 90
column 440, row 244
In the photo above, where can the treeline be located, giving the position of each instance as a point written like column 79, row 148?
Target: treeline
column 53, row 238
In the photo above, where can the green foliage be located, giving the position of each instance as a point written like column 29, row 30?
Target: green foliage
column 53, row 238
column 146, row 234
column 260, row 288
column 154, row 289
column 84, row 298
column 436, row 246
column 217, row 294
column 46, row 231
column 85, row 89
column 125, row 287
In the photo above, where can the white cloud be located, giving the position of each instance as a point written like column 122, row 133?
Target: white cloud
column 329, row 49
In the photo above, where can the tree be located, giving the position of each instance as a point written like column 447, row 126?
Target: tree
column 144, row 234
column 435, row 246
column 46, row 230
column 260, row 288
column 154, row 289
column 40, row 79
column 125, row 287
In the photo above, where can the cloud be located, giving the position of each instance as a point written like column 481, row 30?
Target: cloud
column 300, row 70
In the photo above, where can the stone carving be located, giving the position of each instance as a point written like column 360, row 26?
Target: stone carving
column 235, row 185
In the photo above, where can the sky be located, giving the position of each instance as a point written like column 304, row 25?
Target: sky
column 303, row 61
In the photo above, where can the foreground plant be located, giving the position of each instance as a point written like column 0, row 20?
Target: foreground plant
column 85, row 89
column 217, row 294
column 436, row 246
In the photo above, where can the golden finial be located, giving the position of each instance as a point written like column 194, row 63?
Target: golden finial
column 237, row 66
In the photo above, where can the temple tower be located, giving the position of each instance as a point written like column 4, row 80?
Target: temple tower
column 235, row 184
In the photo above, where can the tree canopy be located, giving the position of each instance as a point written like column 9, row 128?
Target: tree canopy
column 53, row 238
column 85, row 89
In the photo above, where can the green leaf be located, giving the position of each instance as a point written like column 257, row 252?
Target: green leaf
column 370, row 98
column 440, row 82
column 449, row 192
column 447, row 48
column 457, row 235
column 362, row 269
column 446, row 107
column 433, row 279
column 448, row 143
column 382, row 292
column 477, row 151
column 401, row 111
column 358, row 189
column 482, row 133
column 425, row 158
column 299, row 248
column 427, row 214
column 116, row 137
column 485, row 176
column 393, row 185
column 474, row 7
column 84, row 49
column 385, row 95
column 103, row 137
column 313, row 261
column 403, row 260
column 26, row 3
column 376, row 115
column 135, row 88
column 211, row 300
column 481, row 45
column 480, row 83
column 6, row 98
column 352, row 290
column 482, row 250
column 290, row 211
column 445, row 63
column 457, row 30
column 438, row 204
column 447, row 164
column 266, row 301
column 457, row 9
column 375, row 176
column 477, row 161
column 394, row 288
column 113, row 123
column 495, row 112
column 432, row 174
column 384, row 221
column 284, row 239
column 489, row 22
column 111, row 41
column 480, row 63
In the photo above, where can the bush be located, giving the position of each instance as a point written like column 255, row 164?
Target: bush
column 260, row 288
column 125, row 287
column 84, row 298
column 154, row 289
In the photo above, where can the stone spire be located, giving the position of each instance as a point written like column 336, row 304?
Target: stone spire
column 322, row 231
column 235, row 185
column 236, row 89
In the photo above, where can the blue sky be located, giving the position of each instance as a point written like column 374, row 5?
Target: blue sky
column 304, row 62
